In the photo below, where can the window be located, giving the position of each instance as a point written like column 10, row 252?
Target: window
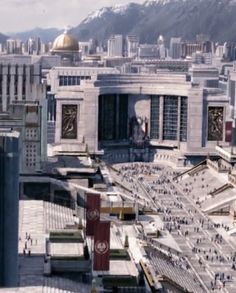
column 155, row 105
column 107, row 117
column 170, row 118
column 183, row 118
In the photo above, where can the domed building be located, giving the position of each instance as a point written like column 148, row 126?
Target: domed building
column 67, row 47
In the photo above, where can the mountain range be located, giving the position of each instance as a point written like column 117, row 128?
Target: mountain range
column 179, row 18
column 46, row 35
column 170, row 18
column 3, row 38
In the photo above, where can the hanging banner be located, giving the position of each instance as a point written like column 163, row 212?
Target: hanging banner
column 93, row 206
column 228, row 131
column 102, row 247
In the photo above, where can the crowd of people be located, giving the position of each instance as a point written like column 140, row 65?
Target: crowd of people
column 183, row 219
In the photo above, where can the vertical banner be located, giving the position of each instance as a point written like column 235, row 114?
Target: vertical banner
column 146, row 128
column 93, row 206
column 102, row 247
column 228, row 131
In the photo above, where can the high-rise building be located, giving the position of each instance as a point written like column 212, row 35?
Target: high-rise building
column 115, row 46
column 189, row 48
column 23, row 107
column 229, row 51
column 132, row 43
column 161, row 45
column 175, row 48
column 11, row 45
column 9, row 194
column 219, row 51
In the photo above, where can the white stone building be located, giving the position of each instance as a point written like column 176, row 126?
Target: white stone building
column 115, row 46
column 23, row 107
column 130, row 117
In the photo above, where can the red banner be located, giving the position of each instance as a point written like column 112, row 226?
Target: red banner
column 93, row 206
column 102, row 247
column 228, row 131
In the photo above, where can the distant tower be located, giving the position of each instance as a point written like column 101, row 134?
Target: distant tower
column 31, row 45
column 115, row 46
column 9, row 195
column 175, row 48
column 11, row 46
column 160, row 40
column 161, row 44
column 132, row 43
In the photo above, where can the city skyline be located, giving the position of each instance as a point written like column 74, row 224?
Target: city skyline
column 29, row 14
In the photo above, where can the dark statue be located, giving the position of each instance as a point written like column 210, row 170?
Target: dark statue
column 138, row 130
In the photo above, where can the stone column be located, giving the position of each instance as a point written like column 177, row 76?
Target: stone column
column 27, row 84
column 4, row 91
column 12, row 84
column 161, row 117
column 178, row 121
column 117, row 116
column 19, row 87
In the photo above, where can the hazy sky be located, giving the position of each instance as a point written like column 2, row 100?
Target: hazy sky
column 19, row 15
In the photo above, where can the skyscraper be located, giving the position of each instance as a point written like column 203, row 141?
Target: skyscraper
column 115, row 46
column 175, row 48
column 161, row 44
column 9, row 193
column 132, row 43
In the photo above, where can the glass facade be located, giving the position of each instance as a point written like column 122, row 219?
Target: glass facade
column 113, row 117
column 183, row 118
column 170, row 119
column 107, row 117
column 155, row 105
column 123, row 117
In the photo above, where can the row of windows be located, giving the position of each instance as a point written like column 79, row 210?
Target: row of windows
column 31, row 155
column 183, row 119
column 155, row 106
column 31, row 133
column 170, row 117
column 113, row 117
column 66, row 80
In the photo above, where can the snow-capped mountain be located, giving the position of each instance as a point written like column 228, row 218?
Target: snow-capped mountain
column 180, row 18
column 117, row 9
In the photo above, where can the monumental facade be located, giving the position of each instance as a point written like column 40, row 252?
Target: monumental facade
column 130, row 117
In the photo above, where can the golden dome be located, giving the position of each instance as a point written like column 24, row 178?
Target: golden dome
column 65, row 42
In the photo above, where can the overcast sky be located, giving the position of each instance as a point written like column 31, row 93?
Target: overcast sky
column 20, row 15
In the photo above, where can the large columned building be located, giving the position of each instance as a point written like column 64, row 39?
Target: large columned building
column 23, row 107
column 133, row 117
